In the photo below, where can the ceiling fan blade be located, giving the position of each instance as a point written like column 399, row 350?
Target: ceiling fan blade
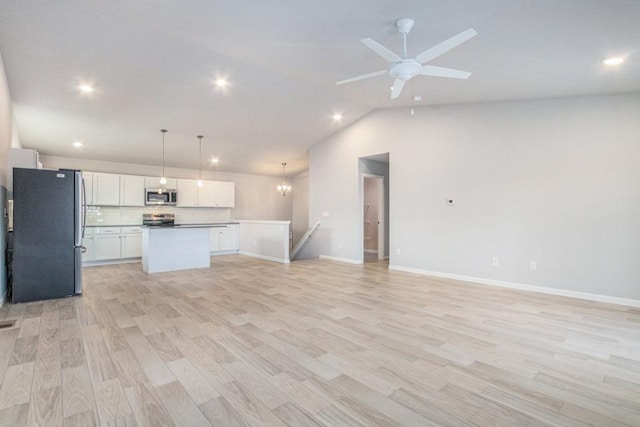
column 397, row 88
column 362, row 77
column 430, row 70
column 381, row 50
column 446, row 46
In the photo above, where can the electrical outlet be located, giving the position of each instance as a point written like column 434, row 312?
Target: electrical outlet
column 398, row 251
column 496, row 261
column 340, row 245
column 533, row 265
column 325, row 214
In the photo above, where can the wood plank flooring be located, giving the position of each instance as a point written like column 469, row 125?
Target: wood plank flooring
column 253, row 343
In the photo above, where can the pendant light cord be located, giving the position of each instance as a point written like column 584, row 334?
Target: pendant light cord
column 164, row 131
column 200, row 159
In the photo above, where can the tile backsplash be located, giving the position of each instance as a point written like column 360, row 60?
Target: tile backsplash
column 114, row 215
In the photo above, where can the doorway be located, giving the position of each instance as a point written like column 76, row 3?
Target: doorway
column 373, row 221
column 374, row 202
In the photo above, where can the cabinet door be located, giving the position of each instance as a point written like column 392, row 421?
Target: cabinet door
column 224, row 194
column 131, row 190
column 90, row 250
column 206, row 196
column 214, row 239
column 107, row 247
column 88, row 187
column 229, row 238
column 187, row 193
column 106, row 189
column 154, row 182
column 132, row 246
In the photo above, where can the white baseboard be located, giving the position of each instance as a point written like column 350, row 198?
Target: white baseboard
column 522, row 287
column 3, row 298
column 371, row 251
column 111, row 261
column 340, row 259
column 230, row 252
column 264, row 257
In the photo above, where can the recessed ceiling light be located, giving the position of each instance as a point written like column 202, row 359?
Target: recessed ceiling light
column 214, row 160
column 613, row 60
column 77, row 144
column 221, row 83
column 337, row 117
column 85, row 88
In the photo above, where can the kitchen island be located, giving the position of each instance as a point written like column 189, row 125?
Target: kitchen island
column 171, row 248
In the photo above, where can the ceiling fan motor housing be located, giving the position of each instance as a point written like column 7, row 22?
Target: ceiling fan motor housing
column 405, row 70
column 405, row 25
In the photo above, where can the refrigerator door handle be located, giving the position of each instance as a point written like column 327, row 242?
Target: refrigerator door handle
column 84, row 207
column 78, row 216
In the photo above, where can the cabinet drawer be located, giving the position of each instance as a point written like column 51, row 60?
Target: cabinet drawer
column 107, row 230
column 132, row 230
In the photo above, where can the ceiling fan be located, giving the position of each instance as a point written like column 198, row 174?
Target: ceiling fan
column 404, row 68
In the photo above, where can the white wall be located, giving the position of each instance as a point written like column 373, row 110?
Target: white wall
column 8, row 138
column 300, row 206
column 268, row 240
column 556, row 181
column 256, row 195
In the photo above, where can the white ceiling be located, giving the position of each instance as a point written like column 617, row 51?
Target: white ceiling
column 153, row 62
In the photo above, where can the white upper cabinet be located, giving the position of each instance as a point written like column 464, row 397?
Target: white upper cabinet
column 216, row 194
column 88, row 187
column 106, row 189
column 187, row 193
column 205, row 194
column 154, row 182
column 131, row 190
column 224, row 193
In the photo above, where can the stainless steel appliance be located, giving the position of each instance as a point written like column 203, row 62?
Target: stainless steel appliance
column 166, row 219
column 160, row 196
column 48, row 227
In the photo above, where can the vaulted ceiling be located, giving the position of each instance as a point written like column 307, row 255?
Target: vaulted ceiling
column 153, row 64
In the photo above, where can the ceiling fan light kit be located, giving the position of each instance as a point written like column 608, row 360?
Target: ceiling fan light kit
column 403, row 68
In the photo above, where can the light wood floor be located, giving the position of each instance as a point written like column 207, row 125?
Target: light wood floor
column 314, row 343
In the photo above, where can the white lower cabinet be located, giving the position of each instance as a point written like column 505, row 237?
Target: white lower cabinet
column 131, row 246
column 131, row 242
column 107, row 247
column 224, row 239
column 90, row 251
column 113, row 243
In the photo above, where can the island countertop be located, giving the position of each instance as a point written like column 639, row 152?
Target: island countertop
column 207, row 225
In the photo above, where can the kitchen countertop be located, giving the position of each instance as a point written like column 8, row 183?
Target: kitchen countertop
column 113, row 225
column 207, row 224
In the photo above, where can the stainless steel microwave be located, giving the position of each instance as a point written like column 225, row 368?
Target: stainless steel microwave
column 160, row 196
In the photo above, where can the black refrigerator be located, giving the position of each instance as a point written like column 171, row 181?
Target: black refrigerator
column 48, row 227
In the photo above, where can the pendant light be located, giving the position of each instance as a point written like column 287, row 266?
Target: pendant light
column 163, row 178
column 200, row 162
column 284, row 188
